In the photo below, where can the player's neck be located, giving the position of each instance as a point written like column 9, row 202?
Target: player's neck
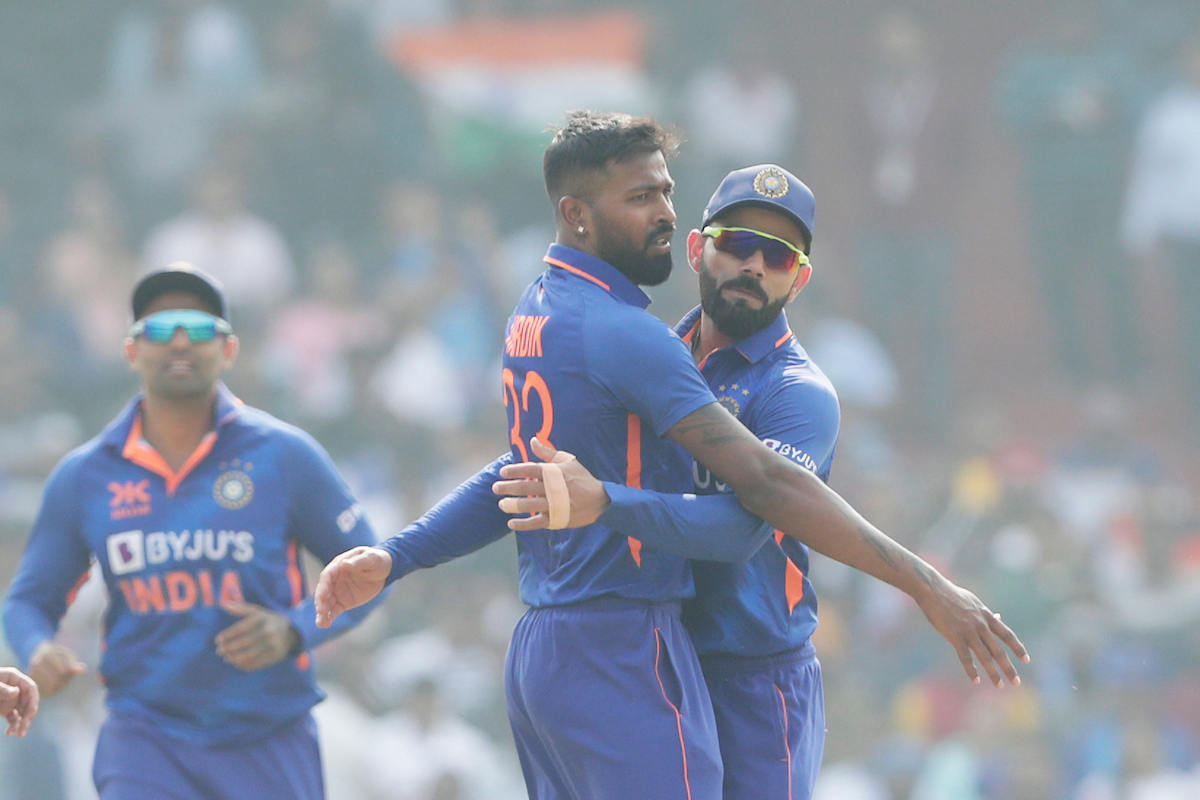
column 175, row 427
column 708, row 338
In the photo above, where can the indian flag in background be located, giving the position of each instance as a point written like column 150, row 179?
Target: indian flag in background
column 494, row 86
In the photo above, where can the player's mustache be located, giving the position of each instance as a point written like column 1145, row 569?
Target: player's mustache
column 745, row 283
column 659, row 231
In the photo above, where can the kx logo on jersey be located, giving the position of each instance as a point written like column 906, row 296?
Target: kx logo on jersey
column 129, row 499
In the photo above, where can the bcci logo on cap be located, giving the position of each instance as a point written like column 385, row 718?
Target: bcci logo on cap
column 771, row 182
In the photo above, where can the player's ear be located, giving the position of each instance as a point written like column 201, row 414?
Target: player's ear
column 801, row 280
column 232, row 345
column 575, row 212
column 695, row 246
column 130, row 348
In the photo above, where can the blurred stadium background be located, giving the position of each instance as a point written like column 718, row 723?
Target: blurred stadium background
column 991, row 297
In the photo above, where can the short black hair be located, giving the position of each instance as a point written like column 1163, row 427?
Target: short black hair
column 591, row 140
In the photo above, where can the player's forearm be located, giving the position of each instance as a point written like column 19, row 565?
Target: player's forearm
column 26, row 627
column 798, row 503
column 464, row 521
column 713, row 528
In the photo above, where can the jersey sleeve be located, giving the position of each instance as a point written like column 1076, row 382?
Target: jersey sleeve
column 710, row 527
column 466, row 520
column 800, row 419
column 650, row 371
column 326, row 520
column 55, row 560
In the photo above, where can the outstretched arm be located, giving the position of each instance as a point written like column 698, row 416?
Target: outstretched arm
column 797, row 502
column 710, row 527
column 349, row 580
column 463, row 521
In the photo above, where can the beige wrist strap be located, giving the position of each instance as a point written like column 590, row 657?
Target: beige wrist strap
column 557, row 496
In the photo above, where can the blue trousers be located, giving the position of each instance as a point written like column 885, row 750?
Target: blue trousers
column 135, row 761
column 607, row 702
column 771, row 720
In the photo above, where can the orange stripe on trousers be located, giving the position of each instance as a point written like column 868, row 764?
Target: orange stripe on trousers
column 658, row 645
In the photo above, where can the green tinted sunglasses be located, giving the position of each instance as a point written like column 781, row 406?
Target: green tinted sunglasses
column 198, row 325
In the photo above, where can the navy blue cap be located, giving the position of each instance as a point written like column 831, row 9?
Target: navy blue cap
column 179, row 276
column 765, row 185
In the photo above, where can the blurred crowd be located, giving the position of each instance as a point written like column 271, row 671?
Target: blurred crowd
column 1031, row 184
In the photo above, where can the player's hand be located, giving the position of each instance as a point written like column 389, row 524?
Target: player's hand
column 526, row 492
column 259, row 639
column 349, row 580
column 53, row 666
column 18, row 700
column 975, row 632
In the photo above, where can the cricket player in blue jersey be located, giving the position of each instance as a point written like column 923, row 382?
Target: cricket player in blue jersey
column 605, row 692
column 18, row 700
column 196, row 508
column 751, row 621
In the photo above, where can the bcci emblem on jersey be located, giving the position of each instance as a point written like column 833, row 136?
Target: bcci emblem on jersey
column 233, row 489
column 731, row 405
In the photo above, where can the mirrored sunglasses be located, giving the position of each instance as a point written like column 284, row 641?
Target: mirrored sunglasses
column 198, row 325
column 742, row 243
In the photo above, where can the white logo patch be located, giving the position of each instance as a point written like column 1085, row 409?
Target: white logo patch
column 126, row 552
column 349, row 518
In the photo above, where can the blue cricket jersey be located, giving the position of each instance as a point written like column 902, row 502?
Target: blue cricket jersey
column 589, row 371
column 171, row 547
column 756, row 600
column 767, row 604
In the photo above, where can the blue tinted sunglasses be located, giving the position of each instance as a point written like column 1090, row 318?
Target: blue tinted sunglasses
column 198, row 325
column 742, row 243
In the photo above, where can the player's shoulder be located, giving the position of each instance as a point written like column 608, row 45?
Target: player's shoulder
column 796, row 368
column 263, row 423
column 616, row 327
column 633, row 322
column 81, row 456
column 642, row 342
column 83, row 467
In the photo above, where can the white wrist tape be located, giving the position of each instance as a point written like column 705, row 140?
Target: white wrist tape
column 557, row 496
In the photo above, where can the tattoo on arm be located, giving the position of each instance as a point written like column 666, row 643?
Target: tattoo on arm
column 898, row 558
column 715, row 427
column 711, row 425
column 885, row 550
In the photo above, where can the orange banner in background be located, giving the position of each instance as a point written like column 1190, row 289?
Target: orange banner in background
column 609, row 37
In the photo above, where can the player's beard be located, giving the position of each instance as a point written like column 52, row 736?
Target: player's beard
column 735, row 318
column 633, row 261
